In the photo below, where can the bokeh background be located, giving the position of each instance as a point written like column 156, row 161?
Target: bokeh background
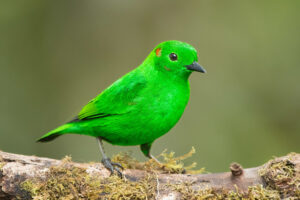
column 56, row 55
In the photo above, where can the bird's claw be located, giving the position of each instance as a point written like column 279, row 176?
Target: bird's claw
column 112, row 166
column 117, row 165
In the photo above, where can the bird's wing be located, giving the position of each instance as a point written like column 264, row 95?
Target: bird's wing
column 117, row 99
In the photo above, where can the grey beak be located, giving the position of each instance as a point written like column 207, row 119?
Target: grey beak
column 196, row 67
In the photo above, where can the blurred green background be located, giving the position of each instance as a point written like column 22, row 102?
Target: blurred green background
column 57, row 55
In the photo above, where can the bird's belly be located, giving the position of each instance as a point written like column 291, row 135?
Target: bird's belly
column 142, row 125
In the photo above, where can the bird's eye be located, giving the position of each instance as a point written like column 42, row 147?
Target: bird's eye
column 173, row 56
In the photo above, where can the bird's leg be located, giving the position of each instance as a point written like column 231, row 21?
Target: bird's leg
column 145, row 148
column 111, row 166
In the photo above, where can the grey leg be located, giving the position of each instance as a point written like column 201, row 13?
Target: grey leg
column 99, row 139
column 111, row 166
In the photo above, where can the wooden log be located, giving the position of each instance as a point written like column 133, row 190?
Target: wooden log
column 27, row 177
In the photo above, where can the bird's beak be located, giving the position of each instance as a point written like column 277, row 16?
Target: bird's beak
column 196, row 67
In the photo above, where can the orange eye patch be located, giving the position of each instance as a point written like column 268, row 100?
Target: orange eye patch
column 158, row 52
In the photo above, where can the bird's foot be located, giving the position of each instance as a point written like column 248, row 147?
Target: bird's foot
column 112, row 166
column 166, row 167
column 155, row 159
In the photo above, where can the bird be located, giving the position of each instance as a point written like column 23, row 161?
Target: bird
column 141, row 106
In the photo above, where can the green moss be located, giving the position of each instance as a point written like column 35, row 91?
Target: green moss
column 280, row 175
column 255, row 192
column 74, row 183
column 62, row 182
column 171, row 164
column 259, row 192
column 116, row 188
column 68, row 182
column 2, row 163
column 1, row 166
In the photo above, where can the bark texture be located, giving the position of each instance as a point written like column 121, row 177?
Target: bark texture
column 19, row 172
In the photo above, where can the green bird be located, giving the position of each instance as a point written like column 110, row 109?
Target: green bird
column 142, row 105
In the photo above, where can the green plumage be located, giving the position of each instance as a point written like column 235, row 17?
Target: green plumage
column 142, row 105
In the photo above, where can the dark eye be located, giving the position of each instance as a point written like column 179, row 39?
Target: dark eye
column 173, row 56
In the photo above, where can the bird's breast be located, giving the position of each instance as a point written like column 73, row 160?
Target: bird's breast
column 162, row 107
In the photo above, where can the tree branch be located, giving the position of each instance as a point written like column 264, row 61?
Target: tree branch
column 29, row 177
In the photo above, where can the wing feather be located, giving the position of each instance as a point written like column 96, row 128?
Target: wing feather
column 117, row 99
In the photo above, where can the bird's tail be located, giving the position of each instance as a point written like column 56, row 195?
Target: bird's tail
column 66, row 128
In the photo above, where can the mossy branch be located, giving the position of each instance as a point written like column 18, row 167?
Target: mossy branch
column 31, row 177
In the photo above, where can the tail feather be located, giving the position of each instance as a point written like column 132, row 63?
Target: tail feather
column 55, row 133
column 48, row 138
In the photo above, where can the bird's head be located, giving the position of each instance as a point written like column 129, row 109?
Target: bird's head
column 176, row 58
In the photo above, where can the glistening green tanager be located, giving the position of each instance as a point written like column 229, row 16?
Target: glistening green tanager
column 142, row 105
